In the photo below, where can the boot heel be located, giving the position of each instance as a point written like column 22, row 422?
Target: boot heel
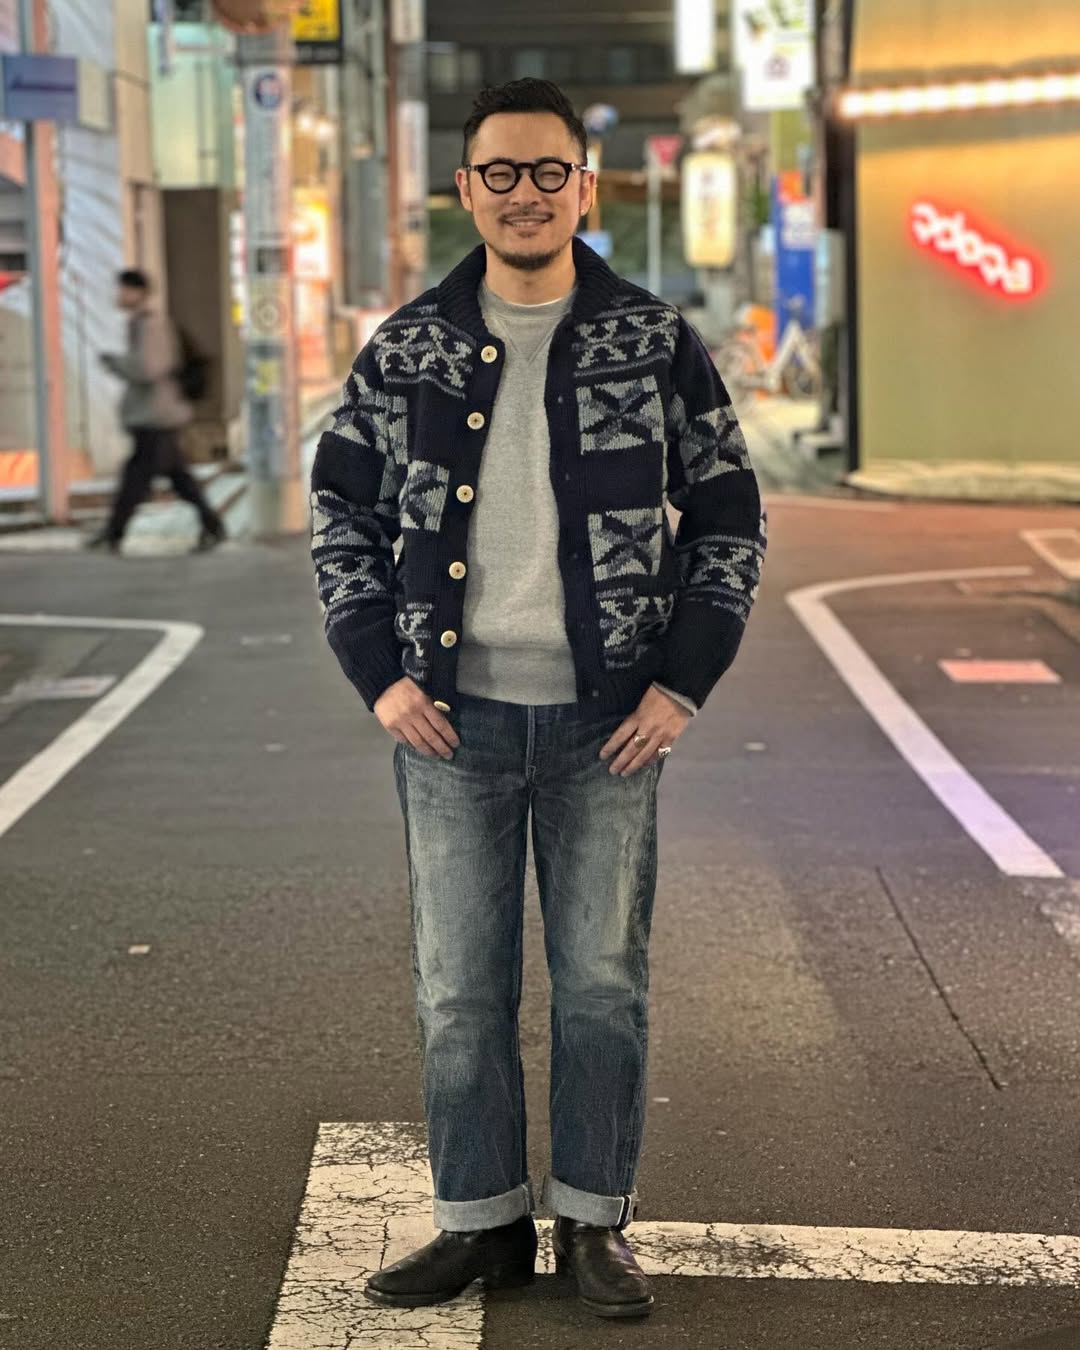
column 509, row 1277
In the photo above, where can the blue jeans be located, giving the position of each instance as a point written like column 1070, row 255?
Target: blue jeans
column 594, row 848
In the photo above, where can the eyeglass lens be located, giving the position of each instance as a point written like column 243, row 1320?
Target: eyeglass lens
column 549, row 175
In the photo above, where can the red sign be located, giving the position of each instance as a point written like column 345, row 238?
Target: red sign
column 995, row 265
column 663, row 149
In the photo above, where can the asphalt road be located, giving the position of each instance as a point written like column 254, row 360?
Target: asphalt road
column 858, row 1019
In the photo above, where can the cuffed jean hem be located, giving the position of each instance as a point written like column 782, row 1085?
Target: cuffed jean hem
column 466, row 1216
column 603, row 1211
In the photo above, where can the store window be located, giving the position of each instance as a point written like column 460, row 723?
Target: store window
column 621, row 65
column 454, row 70
column 530, row 63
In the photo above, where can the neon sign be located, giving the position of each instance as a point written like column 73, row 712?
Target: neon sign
column 952, row 235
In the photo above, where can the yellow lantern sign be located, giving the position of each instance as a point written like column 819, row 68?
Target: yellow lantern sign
column 708, row 209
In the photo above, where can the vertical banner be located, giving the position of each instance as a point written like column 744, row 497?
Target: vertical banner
column 412, row 182
column 796, row 248
column 773, row 42
column 708, row 209
column 268, row 231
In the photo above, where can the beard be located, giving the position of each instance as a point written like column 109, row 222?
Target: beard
column 527, row 262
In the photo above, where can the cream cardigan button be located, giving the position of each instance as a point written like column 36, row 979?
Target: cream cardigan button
column 442, row 707
column 489, row 354
column 457, row 570
column 449, row 638
column 476, row 421
column 465, row 493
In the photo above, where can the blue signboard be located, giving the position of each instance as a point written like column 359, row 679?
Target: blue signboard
column 796, row 244
column 41, row 88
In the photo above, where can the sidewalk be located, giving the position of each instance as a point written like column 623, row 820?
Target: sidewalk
column 771, row 426
column 786, row 464
column 165, row 526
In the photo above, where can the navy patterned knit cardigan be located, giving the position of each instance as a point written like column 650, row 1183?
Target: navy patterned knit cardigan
column 637, row 414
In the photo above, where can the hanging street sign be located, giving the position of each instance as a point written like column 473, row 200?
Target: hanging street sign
column 39, row 88
column 316, row 30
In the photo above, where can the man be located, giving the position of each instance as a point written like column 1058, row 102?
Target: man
column 153, row 409
column 540, row 645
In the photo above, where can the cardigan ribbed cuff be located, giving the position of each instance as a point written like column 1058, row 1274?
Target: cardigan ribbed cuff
column 698, row 648
column 371, row 661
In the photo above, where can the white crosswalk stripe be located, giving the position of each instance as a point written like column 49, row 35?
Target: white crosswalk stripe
column 368, row 1203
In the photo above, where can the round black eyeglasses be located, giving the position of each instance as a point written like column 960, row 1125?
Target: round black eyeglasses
column 503, row 175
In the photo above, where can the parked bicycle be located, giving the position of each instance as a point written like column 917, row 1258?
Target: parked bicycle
column 794, row 368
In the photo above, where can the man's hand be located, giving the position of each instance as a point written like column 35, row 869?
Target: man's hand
column 659, row 719
column 412, row 719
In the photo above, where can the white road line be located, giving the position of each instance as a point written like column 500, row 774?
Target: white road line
column 992, row 828
column 26, row 787
column 1060, row 548
column 368, row 1203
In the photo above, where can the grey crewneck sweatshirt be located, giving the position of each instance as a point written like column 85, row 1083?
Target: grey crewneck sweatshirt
column 514, row 645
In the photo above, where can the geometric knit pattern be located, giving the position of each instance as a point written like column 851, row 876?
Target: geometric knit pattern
column 620, row 415
column 628, row 622
column 373, row 417
column 424, row 496
column 412, row 625
column 630, row 334
column 426, row 350
column 356, row 561
column 637, row 417
column 626, row 543
column 722, row 569
column 710, row 444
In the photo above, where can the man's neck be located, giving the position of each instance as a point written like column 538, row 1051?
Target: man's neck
column 519, row 287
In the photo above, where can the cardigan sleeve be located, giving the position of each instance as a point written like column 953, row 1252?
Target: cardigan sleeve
column 355, row 481
column 720, row 542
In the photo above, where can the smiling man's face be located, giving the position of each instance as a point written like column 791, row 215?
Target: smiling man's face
column 526, row 228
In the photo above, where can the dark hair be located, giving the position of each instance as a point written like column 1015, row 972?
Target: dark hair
column 523, row 96
column 135, row 279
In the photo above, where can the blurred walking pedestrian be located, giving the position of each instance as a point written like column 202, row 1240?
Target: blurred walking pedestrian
column 539, row 646
column 153, row 409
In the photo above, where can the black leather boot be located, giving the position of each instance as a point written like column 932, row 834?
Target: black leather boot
column 504, row 1258
column 609, row 1281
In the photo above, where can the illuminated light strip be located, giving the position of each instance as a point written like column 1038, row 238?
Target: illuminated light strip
column 951, row 234
column 1021, row 91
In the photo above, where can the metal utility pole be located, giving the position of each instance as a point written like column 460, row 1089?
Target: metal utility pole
column 654, row 237
column 364, row 154
column 43, row 235
column 278, row 500
column 407, row 104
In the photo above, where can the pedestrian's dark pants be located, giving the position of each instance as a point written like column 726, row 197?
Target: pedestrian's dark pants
column 594, row 846
column 157, row 452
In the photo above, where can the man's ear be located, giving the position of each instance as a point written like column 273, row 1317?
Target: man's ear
column 588, row 192
column 461, row 178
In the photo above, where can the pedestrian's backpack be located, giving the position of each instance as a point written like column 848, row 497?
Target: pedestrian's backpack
column 193, row 372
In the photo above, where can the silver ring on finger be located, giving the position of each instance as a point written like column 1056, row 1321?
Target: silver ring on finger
column 663, row 752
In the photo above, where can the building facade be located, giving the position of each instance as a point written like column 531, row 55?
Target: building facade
column 967, row 138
